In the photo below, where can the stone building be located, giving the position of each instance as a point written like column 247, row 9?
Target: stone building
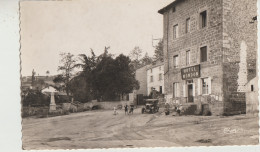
column 137, row 95
column 252, row 104
column 155, row 78
column 210, row 51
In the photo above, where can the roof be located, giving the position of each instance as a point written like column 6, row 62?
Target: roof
column 161, row 11
column 158, row 63
column 49, row 89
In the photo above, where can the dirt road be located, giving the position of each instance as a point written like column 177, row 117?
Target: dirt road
column 102, row 129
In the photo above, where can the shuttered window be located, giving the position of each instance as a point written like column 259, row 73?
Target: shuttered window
column 203, row 54
column 176, row 90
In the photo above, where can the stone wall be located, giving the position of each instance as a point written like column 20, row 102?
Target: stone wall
column 252, row 102
column 232, row 50
column 209, row 36
column 239, row 51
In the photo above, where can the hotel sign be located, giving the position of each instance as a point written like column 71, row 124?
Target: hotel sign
column 190, row 72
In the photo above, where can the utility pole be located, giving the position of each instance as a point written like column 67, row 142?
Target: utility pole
column 155, row 40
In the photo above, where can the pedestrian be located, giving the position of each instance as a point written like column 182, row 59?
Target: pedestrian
column 126, row 109
column 179, row 109
column 132, row 109
column 115, row 112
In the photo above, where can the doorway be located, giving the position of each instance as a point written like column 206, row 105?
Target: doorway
column 190, row 93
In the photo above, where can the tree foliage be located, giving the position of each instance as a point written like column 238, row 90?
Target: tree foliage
column 67, row 65
column 105, row 78
column 146, row 60
column 158, row 52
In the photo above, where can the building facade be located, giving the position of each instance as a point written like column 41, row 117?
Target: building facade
column 137, row 95
column 210, row 51
column 155, row 77
column 140, row 76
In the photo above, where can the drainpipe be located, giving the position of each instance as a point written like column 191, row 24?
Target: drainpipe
column 168, row 43
column 167, row 28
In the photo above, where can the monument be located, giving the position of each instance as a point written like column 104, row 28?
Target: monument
column 52, row 103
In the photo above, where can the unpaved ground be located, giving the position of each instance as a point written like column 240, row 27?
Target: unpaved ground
column 102, row 129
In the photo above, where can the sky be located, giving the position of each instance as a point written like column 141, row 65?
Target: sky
column 51, row 27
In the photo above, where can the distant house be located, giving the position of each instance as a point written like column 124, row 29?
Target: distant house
column 48, row 90
column 155, row 78
column 140, row 76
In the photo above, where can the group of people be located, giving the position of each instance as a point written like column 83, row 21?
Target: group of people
column 178, row 108
column 128, row 110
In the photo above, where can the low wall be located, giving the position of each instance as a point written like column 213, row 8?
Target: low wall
column 109, row 105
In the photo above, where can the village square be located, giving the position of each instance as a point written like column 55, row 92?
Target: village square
column 196, row 86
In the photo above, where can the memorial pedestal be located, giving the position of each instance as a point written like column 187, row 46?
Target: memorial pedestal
column 52, row 103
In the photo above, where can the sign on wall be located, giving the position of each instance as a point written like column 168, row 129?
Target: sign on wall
column 190, row 72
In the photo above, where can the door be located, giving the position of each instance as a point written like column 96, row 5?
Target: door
column 140, row 99
column 190, row 93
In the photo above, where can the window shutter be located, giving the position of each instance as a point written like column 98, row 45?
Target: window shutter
column 177, row 31
column 184, row 90
column 209, row 84
column 177, row 89
column 199, row 86
column 193, row 88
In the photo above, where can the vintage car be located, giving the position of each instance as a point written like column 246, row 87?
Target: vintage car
column 151, row 106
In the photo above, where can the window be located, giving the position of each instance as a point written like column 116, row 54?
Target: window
column 175, row 31
column 203, row 19
column 203, row 54
column 188, row 57
column 175, row 61
column 151, row 78
column 205, row 85
column 160, row 89
column 187, row 30
column 175, row 90
column 151, row 70
column 174, row 9
column 252, row 87
column 160, row 76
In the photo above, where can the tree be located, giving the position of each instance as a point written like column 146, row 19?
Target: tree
column 135, row 56
column 67, row 66
column 85, row 79
column 136, row 53
column 125, row 78
column 102, row 77
column 47, row 73
column 80, row 89
column 158, row 52
column 146, row 60
column 33, row 77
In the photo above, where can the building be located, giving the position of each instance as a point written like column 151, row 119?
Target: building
column 210, row 51
column 155, row 78
column 140, row 75
column 252, row 104
column 137, row 95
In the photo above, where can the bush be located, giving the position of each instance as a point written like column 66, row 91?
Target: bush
column 35, row 98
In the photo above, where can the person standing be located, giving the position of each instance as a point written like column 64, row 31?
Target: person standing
column 126, row 109
column 115, row 112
